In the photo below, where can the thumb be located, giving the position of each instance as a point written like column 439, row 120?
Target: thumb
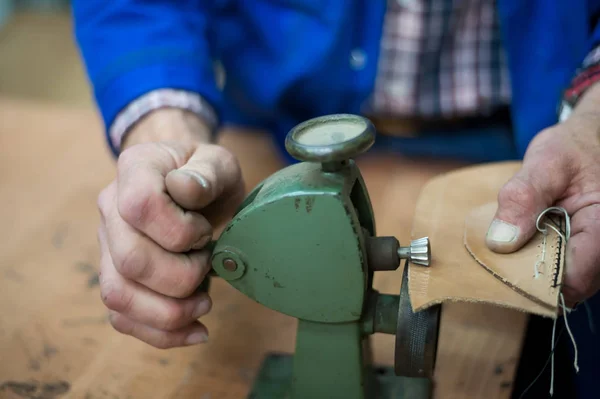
column 211, row 171
column 533, row 189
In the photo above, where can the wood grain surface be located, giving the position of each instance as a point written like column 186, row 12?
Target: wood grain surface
column 55, row 341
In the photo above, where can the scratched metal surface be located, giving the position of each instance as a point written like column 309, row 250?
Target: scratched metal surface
column 55, row 341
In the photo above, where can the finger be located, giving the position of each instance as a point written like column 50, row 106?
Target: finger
column 192, row 334
column 221, row 211
column 542, row 180
column 582, row 270
column 144, row 306
column 211, row 172
column 140, row 259
column 143, row 201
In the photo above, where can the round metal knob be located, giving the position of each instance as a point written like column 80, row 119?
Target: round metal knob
column 418, row 253
column 330, row 138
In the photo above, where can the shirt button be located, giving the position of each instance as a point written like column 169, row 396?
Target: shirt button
column 358, row 59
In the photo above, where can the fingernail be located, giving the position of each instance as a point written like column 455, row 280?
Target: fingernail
column 196, row 338
column 202, row 308
column 201, row 243
column 502, row 232
column 201, row 180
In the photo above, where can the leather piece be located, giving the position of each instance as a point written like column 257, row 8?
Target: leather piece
column 542, row 254
column 454, row 275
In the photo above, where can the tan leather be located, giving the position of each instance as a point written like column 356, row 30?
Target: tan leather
column 534, row 271
column 454, row 275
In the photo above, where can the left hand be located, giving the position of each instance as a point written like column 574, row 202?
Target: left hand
column 561, row 168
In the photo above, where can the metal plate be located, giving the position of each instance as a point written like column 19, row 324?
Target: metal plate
column 330, row 138
column 416, row 336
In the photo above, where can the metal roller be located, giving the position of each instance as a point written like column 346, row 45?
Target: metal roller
column 416, row 336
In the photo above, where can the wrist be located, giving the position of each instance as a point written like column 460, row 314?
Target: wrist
column 168, row 124
column 588, row 105
column 582, row 95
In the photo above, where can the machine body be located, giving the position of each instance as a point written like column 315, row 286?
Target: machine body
column 304, row 243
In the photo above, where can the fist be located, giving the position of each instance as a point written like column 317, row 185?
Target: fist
column 157, row 217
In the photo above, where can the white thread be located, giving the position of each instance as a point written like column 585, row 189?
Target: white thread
column 558, row 232
column 566, row 310
column 544, row 231
column 567, row 221
column 575, row 363
column 536, row 267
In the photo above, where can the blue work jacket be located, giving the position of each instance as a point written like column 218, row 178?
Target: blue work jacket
column 290, row 60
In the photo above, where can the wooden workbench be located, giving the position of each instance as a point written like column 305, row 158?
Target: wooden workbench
column 55, row 341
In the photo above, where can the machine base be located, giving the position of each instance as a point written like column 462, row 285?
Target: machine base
column 275, row 377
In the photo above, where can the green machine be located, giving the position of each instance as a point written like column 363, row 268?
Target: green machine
column 304, row 243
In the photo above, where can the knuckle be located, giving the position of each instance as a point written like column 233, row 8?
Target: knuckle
column 134, row 264
column 163, row 342
column 103, row 201
column 231, row 163
column 120, row 324
column 115, row 297
column 181, row 284
column 184, row 287
column 179, row 237
column 173, row 318
column 135, row 205
column 190, row 274
column 544, row 134
column 543, row 140
column 128, row 158
column 518, row 193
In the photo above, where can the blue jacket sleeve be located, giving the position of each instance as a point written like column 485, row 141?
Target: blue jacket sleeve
column 131, row 47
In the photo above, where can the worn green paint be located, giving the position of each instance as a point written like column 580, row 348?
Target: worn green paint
column 381, row 315
column 329, row 367
column 274, row 381
column 298, row 242
column 300, row 237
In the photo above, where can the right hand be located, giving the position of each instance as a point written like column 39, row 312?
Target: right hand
column 157, row 216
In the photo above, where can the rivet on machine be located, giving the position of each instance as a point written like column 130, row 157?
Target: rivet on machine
column 303, row 243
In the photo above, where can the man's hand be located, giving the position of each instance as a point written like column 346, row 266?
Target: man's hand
column 562, row 168
column 155, row 222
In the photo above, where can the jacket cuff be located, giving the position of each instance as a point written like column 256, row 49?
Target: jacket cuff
column 119, row 93
column 156, row 99
column 586, row 76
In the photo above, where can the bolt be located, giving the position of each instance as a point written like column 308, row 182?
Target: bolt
column 230, row 265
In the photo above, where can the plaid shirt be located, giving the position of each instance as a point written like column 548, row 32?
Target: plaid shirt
column 441, row 58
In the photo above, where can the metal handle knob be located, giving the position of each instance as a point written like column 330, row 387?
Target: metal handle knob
column 419, row 252
column 330, row 139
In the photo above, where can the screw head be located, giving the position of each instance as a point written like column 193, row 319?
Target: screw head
column 230, row 265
